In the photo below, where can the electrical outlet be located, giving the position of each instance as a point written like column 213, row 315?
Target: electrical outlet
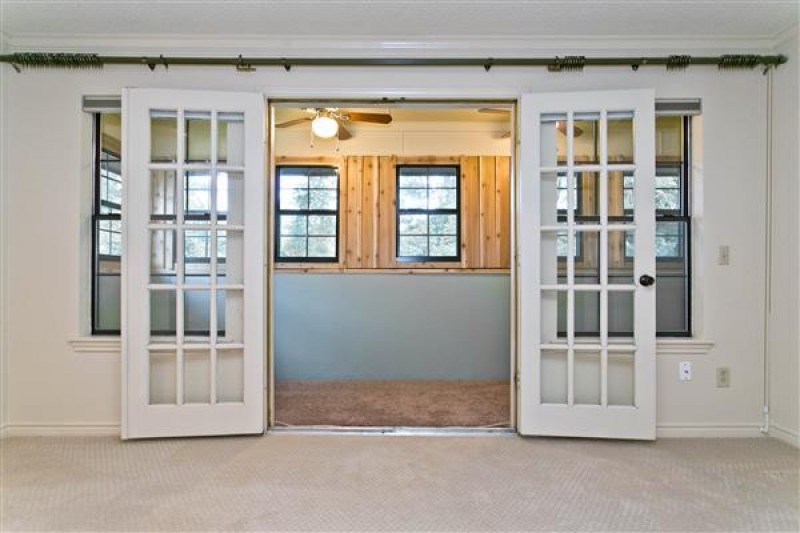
column 685, row 371
column 724, row 255
column 723, row 377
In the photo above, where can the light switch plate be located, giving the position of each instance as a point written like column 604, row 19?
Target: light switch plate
column 685, row 371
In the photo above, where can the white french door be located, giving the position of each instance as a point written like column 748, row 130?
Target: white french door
column 587, row 264
column 193, row 272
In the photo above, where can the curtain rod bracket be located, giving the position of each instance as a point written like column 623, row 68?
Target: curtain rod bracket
column 286, row 65
column 241, row 66
column 489, row 63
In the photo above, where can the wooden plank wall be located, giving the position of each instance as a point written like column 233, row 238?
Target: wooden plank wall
column 367, row 213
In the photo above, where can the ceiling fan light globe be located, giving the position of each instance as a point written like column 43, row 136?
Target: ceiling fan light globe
column 324, row 127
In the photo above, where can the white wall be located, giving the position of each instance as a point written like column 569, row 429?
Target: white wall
column 5, row 71
column 53, row 385
column 392, row 326
column 403, row 138
column 784, row 318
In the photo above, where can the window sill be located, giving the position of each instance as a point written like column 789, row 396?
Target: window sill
column 283, row 269
column 111, row 345
column 107, row 345
column 686, row 346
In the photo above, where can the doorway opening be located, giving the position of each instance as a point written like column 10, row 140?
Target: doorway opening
column 391, row 300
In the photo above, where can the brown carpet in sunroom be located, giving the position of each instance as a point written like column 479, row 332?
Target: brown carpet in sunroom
column 393, row 403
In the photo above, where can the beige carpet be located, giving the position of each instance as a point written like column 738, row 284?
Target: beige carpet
column 393, row 403
column 290, row 482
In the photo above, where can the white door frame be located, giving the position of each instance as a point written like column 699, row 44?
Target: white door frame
column 375, row 96
column 431, row 96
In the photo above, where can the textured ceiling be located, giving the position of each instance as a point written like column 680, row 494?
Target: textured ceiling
column 385, row 20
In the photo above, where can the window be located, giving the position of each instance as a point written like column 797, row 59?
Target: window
column 107, row 234
column 673, row 226
column 428, row 213
column 106, row 223
column 672, row 216
column 307, row 220
column 197, row 199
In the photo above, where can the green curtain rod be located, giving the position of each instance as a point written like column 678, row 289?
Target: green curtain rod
column 23, row 60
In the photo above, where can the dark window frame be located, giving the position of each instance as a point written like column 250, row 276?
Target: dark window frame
column 305, row 212
column 399, row 211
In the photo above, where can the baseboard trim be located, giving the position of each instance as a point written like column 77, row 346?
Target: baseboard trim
column 786, row 435
column 669, row 431
column 662, row 431
column 60, row 430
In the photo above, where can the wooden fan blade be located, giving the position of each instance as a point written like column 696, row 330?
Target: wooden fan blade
column 493, row 110
column 343, row 132
column 377, row 118
column 294, row 122
column 562, row 127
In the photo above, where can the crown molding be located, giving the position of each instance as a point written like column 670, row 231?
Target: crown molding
column 785, row 36
column 322, row 46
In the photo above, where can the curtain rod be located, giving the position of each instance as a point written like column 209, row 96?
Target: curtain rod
column 24, row 60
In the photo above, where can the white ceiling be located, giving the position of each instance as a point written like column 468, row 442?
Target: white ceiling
column 392, row 21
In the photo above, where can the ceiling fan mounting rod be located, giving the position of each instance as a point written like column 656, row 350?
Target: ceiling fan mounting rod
column 22, row 60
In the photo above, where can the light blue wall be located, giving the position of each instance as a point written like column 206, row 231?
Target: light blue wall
column 391, row 326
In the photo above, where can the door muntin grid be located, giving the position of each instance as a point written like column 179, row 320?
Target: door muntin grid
column 577, row 369
column 196, row 286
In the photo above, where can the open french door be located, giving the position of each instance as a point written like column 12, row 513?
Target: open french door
column 193, row 271
column 587, row 265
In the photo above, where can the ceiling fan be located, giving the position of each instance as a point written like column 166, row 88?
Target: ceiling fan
column 328, row 122
column 561, row 126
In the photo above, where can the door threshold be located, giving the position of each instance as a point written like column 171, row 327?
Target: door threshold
column 396, row 430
